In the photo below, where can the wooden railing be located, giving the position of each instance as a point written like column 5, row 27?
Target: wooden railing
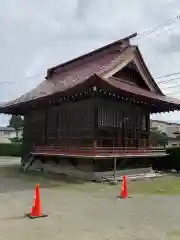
column 89, row 150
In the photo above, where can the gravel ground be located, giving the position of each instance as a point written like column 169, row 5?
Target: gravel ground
column 77, row 212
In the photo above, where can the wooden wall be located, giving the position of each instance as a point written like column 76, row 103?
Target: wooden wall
column 80, row 124
column 127, row 123
column 69, row 125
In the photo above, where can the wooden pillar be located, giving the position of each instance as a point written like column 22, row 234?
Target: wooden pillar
column 148, row 128
column 94, row 147
column 95, row 125
column 136, row 131
column 57, row 124
column 140, row 131
column 114, row 168
column 45, row 127
column 26, row 143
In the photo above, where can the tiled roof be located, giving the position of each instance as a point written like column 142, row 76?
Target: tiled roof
column 93, row 53
column 129, row 88
column 76, row 75
column 79, row 70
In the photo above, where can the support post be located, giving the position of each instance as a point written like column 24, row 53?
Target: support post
column 115, row 169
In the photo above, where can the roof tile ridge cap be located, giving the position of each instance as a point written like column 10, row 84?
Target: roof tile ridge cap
column 100, row 76
column 86, row 57
column 72, row 65
column 125, row 50
column 125, row 39
column 97, row 75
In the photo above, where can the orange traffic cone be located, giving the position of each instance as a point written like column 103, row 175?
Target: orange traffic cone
column 124, row 191
column 36, row 210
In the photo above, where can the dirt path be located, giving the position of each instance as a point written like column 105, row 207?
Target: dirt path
column 83, row 211
column 77, row 212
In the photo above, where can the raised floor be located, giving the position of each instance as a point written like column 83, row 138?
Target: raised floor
column 100, row 152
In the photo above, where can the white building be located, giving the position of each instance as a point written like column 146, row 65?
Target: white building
column 171, row 129
column 6, row 133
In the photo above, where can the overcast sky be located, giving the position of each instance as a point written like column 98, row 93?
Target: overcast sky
column 38, row 34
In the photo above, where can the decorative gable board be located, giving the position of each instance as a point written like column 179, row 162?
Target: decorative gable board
column 130, row 57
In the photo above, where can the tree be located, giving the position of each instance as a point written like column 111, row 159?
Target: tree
column 17, row 123
column 158, row 137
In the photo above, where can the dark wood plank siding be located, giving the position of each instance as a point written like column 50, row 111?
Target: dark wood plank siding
column 121, row 124
column 67, row 126
column 87, row 123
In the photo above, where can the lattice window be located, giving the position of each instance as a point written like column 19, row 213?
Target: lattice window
column 144, row 123
column 35, row 126
column 107, row 117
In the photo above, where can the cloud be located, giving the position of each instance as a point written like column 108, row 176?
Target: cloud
column 36, row 35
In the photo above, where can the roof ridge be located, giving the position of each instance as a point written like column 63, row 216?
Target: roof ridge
column 108, row 46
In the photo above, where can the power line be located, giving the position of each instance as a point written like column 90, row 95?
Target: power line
column 150, row 31
column 167, row 75
column 158, row 27
column 169, row 49
column 168, row 30
column 21, row 79
column 160, row 34
column 160, row 82
column 170, row 87
column 168, row 80
column 173, row 93
column 165, row 49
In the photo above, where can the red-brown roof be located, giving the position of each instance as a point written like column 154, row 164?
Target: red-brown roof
column 76, row 75
column 134, row 90
column 139, row 55
column 79, row 70
column 81, row 58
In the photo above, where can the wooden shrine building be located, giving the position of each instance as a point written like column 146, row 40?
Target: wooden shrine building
column 97, row 106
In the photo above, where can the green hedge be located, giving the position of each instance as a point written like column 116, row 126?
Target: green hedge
column 11, row 149
column 174, row 157
column 172, row 161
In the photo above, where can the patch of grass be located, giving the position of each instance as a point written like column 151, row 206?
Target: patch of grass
column 173, row 235
column 169, row 184
column 162, row 185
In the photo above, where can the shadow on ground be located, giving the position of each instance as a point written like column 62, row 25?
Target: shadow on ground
column 12, row 179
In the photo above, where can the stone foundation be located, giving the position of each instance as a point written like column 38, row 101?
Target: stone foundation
column 84, row 170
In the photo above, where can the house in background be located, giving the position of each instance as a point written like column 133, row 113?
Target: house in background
column 7, row 133
column 171, row 129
